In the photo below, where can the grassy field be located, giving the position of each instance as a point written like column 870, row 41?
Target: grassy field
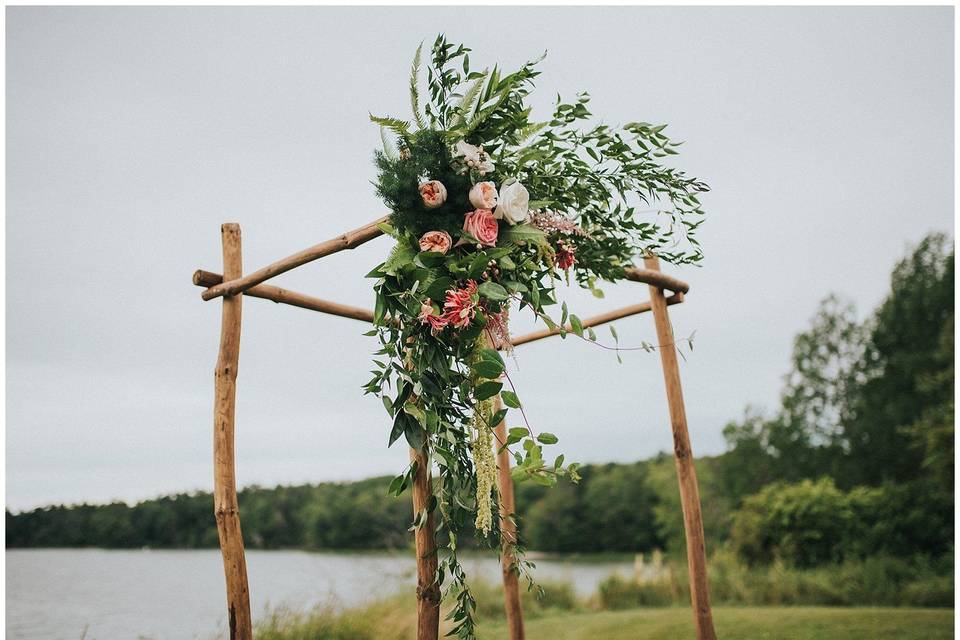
column 746, row 623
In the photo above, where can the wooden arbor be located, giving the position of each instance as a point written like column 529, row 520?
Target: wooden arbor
column 232, row 285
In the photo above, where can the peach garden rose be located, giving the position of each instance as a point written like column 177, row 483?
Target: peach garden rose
column 434, row 194
column 439, row 241
column 484, row 195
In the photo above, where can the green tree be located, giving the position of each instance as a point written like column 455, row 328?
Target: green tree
column 908, row 365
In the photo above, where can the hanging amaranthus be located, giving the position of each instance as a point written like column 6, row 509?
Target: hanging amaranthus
column 482, row 450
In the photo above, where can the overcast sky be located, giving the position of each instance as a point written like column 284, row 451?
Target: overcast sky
column 132, row 133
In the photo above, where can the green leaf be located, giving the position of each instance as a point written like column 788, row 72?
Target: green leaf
column 493, row 291
column 523, row 234
column 415, row 435
column 429, row 259
column 397, row 485
column 491, row 354
column 486, row 390
column 510, row 399
column 498, row 417
column 437, row 289
column 487, row 369
column 547, row 438
column 576, row 325
column 416, row 412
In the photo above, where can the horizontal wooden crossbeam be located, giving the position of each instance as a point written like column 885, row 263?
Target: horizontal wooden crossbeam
column 369, row 231
column 603, row 318
column 279, row 295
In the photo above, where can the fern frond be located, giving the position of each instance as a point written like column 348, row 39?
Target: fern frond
column 469, row 99
column 531, row 130
column 400, row 127
column 415, row 90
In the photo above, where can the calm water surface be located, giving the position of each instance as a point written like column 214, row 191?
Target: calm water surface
column 95, row 594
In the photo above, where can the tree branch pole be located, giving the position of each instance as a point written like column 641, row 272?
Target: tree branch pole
column 508, row 532
column 348, row 240
column 226, row 510
column 425, row 542
column 686, row 473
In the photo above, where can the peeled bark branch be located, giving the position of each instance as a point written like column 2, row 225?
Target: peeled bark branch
column 348, row 240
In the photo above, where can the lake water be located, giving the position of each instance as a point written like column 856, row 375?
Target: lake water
column 96, row 594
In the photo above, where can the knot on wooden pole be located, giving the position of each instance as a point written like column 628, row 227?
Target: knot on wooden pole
column 429, row 594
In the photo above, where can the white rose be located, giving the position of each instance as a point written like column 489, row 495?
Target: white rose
column 475, row 157
column 483, row 195
column 514, row 204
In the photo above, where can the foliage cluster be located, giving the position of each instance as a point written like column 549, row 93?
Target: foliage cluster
column 465, row 253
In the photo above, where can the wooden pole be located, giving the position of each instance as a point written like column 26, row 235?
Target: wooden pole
column 348, row 240
column 425, row 539
column 686, row 474
column 508, row 533
column 225, row 506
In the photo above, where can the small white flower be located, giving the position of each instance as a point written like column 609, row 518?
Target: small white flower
column 474, row 157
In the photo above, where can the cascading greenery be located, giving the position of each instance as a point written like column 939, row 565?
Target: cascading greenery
column 491, row 208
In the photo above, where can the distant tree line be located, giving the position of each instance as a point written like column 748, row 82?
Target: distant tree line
column 857, row 461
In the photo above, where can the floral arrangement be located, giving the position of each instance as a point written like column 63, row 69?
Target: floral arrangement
column 490, row 211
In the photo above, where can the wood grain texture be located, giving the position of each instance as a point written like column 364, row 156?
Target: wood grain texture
column 508, row 533
column 279, row 295
column 686, row 473
column 348, row 240
column 425, row 543
column 225, row 506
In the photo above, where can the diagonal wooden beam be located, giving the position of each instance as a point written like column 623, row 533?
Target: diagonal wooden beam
column 203, row 278
column 603, row 318
column 657, row 279
column 348, row 240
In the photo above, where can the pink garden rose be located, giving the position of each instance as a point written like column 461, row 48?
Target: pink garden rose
column 484, row 195
column 481, row 225
column 439, row 241
column 461, row 305
column 433, row 193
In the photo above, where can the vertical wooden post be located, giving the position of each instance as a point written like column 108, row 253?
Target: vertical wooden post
column 686, row 474
column 224, row 471
column 508, row 533
column 425, row 539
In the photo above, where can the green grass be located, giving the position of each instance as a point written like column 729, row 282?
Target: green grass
column 746, row 623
